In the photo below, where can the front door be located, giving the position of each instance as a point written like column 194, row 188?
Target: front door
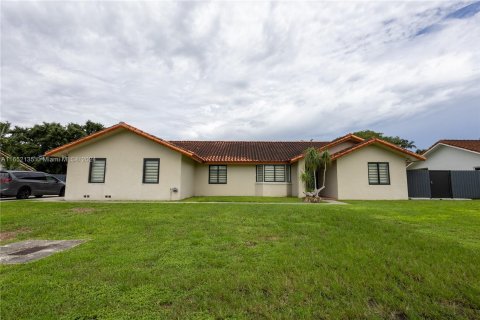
column 440, row 184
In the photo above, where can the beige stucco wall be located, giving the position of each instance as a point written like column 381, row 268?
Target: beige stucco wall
column 341, row 146
column 352, row 175
column 241, row 181
column 124, row 152
column 300, row 185
column 187, row 187
column 273, row 189
column 294, row 178
column 331, row 187
column 347, row 178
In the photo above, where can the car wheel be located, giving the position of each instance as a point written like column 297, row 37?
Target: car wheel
column 62, row 192
column 23, row 193
column 38, row 195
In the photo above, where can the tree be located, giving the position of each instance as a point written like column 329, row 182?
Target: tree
column 369, row 134
column 33, row 142
column 314, row 160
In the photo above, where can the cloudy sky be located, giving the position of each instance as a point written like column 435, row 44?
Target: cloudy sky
column 246, row 70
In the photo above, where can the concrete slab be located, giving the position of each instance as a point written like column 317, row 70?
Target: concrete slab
column 32, row 250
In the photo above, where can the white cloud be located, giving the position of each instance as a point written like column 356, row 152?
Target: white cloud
column 242, row 70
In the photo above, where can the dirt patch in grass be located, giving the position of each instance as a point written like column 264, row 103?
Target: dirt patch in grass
column 8, row 235
column 250, row 243
column 270, row 238
column 82, row 210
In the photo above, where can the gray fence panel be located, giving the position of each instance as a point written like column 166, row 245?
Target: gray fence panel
column 418, row 184
column 466, row 184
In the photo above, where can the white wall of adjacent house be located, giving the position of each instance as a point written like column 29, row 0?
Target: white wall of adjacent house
column 445, row 157
column 125, row 152
column 353, row 181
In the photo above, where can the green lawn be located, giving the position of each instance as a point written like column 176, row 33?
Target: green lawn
column 244, row 199
column 397, row 260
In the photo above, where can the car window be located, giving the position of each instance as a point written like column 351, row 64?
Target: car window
column 4, row 175
column 51, row 179
column 30, row 175
column 39, row 177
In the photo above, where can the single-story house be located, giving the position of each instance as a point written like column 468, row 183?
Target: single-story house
column 122, row 162
column 451, row 155
column 451, row 170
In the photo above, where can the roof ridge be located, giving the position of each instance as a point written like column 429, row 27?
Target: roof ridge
column 459, row 139
column 315, row 141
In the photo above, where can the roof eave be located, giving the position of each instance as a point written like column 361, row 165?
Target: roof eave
column 62, row 150
column 382, row 142
column 347, row 137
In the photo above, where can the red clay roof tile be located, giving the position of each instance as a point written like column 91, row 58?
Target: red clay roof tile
column 238, row 151
column 472, row 145
column 247, row 151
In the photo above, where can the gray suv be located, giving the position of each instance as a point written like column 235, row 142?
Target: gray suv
column 23, row 184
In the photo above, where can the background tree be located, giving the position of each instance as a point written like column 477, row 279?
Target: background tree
column 35, row 141
column 10, row 163
column 368, row 134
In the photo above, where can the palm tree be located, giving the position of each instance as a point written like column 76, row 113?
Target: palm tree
column 325, row 160
column 313, row 161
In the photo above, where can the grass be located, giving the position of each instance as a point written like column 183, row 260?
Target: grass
column 385, row 259
column 244, row 199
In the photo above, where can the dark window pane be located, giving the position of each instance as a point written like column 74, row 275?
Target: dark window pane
column 260, row 173
column 269, row 173
column 279, row 173
column 217, row 174
column 378, row 173
column 97, row 170
column 151, row 169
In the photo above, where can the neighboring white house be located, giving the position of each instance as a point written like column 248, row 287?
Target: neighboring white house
column 451, row 155
column 452, row 170
column 123, row 162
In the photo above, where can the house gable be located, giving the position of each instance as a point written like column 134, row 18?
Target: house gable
column 124, row 153
column 446, row 157
column 105, row 133
column 353, row 174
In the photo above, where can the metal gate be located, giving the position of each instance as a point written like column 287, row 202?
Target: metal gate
column 426, row 184
column 440, row 184
column 418, row 184
column 466, row 184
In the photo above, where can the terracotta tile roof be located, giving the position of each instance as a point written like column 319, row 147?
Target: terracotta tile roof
column 365, row 143
column 337, row 141
column 472, row 145
column 237, row 151
column 247, row 151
